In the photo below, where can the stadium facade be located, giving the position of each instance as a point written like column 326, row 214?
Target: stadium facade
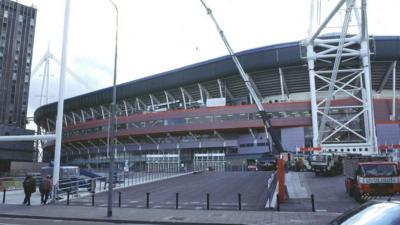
column 17, row 32
column 201, row 115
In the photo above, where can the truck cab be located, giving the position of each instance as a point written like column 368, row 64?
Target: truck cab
column 373, row 179
column 325, row 163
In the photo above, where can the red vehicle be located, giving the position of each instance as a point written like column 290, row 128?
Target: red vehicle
column 368, row 179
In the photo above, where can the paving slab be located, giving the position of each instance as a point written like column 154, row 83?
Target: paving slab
column 164, row 216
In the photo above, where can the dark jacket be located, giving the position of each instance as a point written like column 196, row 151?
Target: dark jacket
column 45, row 185
column 29, row 185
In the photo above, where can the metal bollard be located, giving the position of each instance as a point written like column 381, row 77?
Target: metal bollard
column 277, row 203
column 177, row 200
column 312, row 203
column 119, row 199
column 208, row 201
column 92, row 198
column 4, row 195
column 68, row 197
column 240, row 201
column 147, row 199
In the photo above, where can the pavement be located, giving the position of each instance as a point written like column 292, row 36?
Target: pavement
column 162, row 216
column 296, row 185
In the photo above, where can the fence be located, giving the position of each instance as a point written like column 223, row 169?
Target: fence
column 11, row 183
column 80, row 187
column 271, row 186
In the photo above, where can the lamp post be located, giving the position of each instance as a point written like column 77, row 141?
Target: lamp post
column 113, row 120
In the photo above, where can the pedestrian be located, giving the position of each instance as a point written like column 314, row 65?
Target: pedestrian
column 51, row 186
column 44, row 188
column 29, row 185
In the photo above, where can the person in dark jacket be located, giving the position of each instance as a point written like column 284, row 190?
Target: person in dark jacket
column 45, row 188
column 29, row 185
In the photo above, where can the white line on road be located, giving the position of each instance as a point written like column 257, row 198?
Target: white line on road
column 321, row 210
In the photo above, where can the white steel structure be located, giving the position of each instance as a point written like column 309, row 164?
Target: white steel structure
column 339, row 68
column 45, row 62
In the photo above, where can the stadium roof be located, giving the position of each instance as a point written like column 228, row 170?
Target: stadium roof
column 384, row 48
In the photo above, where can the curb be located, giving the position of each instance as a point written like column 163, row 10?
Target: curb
column 113, row 220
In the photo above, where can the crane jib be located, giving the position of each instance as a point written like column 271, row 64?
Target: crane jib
column 249, row 84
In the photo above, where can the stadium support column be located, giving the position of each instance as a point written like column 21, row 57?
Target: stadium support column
column 314, row 109
column 364, row 50
column 60, row 107
column 339, row 68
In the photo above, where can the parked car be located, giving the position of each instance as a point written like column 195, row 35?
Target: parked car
column 371, row 213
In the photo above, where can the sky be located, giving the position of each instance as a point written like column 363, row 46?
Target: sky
column 159, row 35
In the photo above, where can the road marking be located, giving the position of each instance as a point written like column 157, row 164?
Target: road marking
column 133, row 201
column 321, row 210
column 10, row 224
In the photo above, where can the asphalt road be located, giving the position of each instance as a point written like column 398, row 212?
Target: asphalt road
column 223, row 188
column 329, row 195
column 19, row 221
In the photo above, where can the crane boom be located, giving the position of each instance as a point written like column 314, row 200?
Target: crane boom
column 254, row 93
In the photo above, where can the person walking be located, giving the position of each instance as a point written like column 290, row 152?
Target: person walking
column 51, row 186
column 29, row 185
column 44, row 188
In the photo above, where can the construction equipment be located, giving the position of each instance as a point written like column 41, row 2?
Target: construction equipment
column 326, row 163
column 254, row 93
column 367, row 177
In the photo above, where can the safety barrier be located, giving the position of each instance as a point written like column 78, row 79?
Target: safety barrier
column 70, row 189
column 11, row 183
column 271, row 189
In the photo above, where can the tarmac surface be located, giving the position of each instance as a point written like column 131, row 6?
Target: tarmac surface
column 49, row 214
column 223, row 189
column 330, row 201
column 329, row 193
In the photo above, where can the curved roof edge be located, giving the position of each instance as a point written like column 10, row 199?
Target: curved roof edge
column 278, row 55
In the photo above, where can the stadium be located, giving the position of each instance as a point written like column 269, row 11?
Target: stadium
column 201, row 115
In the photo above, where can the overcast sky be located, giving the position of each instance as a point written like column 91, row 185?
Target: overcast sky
column 160, row 35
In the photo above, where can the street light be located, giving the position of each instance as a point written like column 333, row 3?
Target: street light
column 113, row 122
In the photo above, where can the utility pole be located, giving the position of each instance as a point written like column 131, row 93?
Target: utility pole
column 113, row 120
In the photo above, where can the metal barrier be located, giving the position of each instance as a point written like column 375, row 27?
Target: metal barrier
column 312, row 203
column 80, row 187
column 11, row 183
column 240, row 201
column 270, row 190
column 208, row 201
column 177, row 200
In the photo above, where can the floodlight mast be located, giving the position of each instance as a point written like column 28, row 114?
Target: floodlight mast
column 254, row 93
